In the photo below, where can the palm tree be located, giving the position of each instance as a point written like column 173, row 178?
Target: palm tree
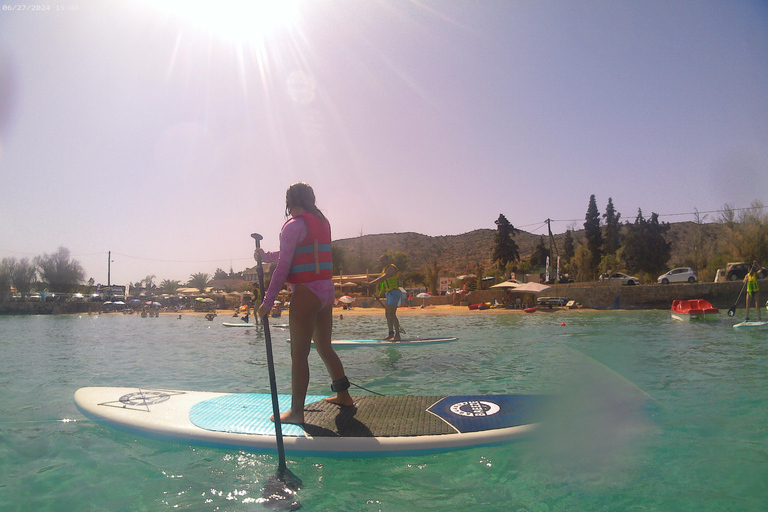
column 169, row 286
column 148, row 282
column 199, row 281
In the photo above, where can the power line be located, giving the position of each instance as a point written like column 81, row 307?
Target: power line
column 676, row 214
column 178, row 261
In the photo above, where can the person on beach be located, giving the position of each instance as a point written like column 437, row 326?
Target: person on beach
column 389, row 285
column 753, row 290
column 304, row 261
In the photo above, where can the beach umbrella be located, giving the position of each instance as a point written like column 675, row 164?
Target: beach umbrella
column 424, row 297
column 506, row 284
column 346, row 299
column 532, row 287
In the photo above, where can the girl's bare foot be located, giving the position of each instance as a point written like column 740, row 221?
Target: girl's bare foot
column 290, row 417
column 342, row 398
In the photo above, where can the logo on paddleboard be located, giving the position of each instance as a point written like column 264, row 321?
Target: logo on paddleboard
column 142, row 398
column 473, row 408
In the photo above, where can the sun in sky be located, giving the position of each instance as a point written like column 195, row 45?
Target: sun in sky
column 238, row 20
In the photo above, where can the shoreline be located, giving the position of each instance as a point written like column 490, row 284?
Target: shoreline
column 438, row 310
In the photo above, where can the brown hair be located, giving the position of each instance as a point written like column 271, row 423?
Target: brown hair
column 301, row 194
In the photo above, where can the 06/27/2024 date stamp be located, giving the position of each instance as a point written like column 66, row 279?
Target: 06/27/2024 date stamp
column 43, row 7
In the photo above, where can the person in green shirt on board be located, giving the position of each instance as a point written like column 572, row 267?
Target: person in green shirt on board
column 753, row 290
column 389, row 284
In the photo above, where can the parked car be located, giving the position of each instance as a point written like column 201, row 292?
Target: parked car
column 678, row 275
column 564, row 279
column 619, row 278
column 34, row 297
column 737, row 271
column 552, row 301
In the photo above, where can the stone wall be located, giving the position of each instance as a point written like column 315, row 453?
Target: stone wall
column 655, row 296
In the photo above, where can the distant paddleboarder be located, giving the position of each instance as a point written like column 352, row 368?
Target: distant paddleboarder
column 389, row 285
column 753, row 290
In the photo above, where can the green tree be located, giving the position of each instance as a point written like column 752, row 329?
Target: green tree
column 5, row 279
column 751, row 234
column 568, row 247
column 399, row 259
column 199, row 281
column 432, row 278
column 593, row 234
column 169, row 286
column 645, row 248
column 612, row 240
column 338, row 254
column 61, row 273
column 581, row 263
column 23, row 273
column 505, row 248
column 149, row 282
column 539, row 255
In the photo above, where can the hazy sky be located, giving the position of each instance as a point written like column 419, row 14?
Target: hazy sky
column 131, row 127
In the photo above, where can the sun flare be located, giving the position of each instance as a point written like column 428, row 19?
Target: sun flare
column 240, row 20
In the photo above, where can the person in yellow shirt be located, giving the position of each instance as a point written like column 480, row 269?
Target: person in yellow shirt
column 753, row 290
column 389, row 284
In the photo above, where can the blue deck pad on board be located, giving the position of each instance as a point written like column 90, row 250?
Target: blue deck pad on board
column 245, row 413
column 478, row 413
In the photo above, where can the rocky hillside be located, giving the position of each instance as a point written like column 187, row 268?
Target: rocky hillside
column 462, row 253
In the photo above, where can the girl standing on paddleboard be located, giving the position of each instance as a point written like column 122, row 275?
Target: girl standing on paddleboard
column 753, row 290
column 304, row 261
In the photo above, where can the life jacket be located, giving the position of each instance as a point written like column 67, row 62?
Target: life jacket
column 312, row 259
column 752, row 282
column 389, row 283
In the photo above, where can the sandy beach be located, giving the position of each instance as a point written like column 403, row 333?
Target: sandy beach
column 441, row 310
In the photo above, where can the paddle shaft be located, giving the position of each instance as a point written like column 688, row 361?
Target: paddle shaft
column 270, row 363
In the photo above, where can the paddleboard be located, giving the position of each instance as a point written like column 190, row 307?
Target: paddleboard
column 244, row 324
column 752, row 324
column 374, row 426
column 385, row 343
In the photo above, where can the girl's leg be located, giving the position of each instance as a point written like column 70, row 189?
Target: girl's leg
column 302, row 318
column 322, row 337
column 392, row 322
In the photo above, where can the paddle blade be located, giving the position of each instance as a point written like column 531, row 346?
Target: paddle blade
column 280, row 491
column 732, row 311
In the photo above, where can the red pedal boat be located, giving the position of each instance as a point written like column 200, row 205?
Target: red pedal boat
column 695, row 309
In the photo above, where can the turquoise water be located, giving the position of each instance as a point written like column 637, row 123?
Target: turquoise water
column 701, row 446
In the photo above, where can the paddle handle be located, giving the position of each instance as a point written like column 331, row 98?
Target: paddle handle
column 270, row 362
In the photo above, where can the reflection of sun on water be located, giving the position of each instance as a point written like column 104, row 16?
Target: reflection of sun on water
column 238, row 20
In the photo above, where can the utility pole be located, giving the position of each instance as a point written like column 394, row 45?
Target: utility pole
column 109, row 268
column 552, row 245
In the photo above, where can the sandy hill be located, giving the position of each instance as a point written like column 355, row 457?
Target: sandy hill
column 461, row 253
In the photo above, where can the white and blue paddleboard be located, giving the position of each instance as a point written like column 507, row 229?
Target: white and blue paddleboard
column 751, row 325
column 245, row 324
column 405, row 342
column 374, row 426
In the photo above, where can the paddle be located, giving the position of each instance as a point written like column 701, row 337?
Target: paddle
column 280, row 490
column 732, row 311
